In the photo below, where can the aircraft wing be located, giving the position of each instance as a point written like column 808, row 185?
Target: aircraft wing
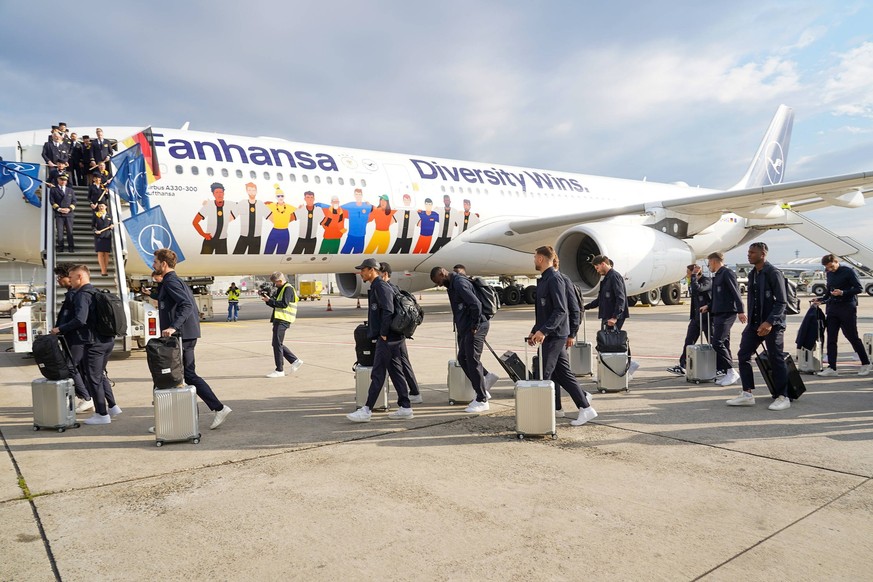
column 848, row 190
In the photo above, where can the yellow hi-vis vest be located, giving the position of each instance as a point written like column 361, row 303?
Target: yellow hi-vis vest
column 289, row 313
column 233, row 294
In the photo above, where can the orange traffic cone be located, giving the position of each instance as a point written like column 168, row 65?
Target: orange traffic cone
column 359, row 302
column 329, row 308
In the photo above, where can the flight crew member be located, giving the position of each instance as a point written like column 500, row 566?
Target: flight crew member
column 334, row 225
column 699, row 286
column 309, row 216
column 408, row 372
column 284, row 306
column 427, row 221
column 76, row 350
column 490, row 377
column 251, row 216
column 725, row 305
column 574, row 320
column 358, row 213
column 55, row 150
column 63, row 200
column 405, row 228
column 766, row 324
column 177, row 309
column 86, row 162
column 101, row 150
column 102, row 225
column 81, row 330
column 447, row 217
column 471, row 327
column 77, row 168
column 54, row 173
column 611, row 300
column 218, row 216
column 280, row 215
column 552, row 328
column 387, row 358
column 842, row 313
column 233, row 294
column 96, row 191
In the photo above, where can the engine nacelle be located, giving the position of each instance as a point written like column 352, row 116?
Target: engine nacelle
column 647, row 258
column 351, row 285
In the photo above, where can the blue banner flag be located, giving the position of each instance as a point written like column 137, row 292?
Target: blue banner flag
column 150, row 231
column 25, row 175
column 131, row 181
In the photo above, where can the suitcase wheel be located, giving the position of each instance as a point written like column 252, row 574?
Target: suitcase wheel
column 35, row 427
column 195, row 441
column 62, row 429
column 520, row 436
column 602, row 391
column 159, row 443
column 451, row 402
column 77, row 425
column 554, row 436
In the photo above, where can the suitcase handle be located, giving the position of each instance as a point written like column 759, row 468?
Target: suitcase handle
column 700, row 339
column 539, row 353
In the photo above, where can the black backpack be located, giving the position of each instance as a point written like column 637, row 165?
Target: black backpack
column 487, row 295
column 51, row 358
column 164, row 356
column 365, row 347
column 109, row 311
column 407, row 313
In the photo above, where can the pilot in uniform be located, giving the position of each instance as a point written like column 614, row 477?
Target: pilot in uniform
column 63, row 200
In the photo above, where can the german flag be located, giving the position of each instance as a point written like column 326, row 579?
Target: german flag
column 147, row 145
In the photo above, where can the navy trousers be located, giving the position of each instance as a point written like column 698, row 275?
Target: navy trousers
column 749, row 345
column 470, row 358
column 192, row 379
column 388, row 360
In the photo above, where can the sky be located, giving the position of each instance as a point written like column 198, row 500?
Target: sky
column 682, row 92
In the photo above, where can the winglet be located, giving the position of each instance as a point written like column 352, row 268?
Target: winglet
column 768, row 165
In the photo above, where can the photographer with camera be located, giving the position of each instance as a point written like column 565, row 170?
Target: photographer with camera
column 284, row 305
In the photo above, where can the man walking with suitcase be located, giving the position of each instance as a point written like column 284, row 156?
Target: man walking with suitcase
column 765, row 324
column 699, row 286
column 552, row 328
column 408, row 372
column 380, row 300
column 725, row 306
column 176, row 308
column 471, row 327
column 611, row 301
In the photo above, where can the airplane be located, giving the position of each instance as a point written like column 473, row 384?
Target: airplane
column 490, row 217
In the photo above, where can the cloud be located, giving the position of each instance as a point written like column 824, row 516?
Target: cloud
column 849, row 90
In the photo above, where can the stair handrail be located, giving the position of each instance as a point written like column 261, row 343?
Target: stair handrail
column 119, row 256
column 49, row 256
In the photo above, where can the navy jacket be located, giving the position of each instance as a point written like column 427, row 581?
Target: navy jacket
column 380, row 301
column 551, row 307
column 176, row 307
column 80, row 322
column 574, row 309
column 812, row 328
column 56, row 152
column 699, row 290
column 725, row 293
column 766, row 297
column 100, row 153
column 611, row 300
column 62, row 198
column 466, row 307
column 846, row 280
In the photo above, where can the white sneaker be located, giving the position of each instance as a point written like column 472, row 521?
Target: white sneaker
column 401, row 414
column 85, row 406
column 585, row 415
column 296, row 365
column 634, row 366
column 744, row 399
column 731, row 377
column 115, row 410
column 559, row 414
column 416, row 399
column 865, row 369
column 276, row 374
column 780, row 403
column 152, row 429
column 98, row 419
column 490, row 380
column 220, row 416
column 487, row 395
column 476, row 407
column 827, row 372
column 588, row 395
column 362, row 414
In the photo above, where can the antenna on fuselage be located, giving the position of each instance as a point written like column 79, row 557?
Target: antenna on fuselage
column 185, row 126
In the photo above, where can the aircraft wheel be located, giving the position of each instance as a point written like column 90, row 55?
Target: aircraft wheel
column 512, row 295
column 530, row 294
column 819, row 289
column 652, row 297
column 671, row 294
column 632, row 300
column 869, row 289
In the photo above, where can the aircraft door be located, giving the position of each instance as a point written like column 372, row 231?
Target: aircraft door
column 401, row 185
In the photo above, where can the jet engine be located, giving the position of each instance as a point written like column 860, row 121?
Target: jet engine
column 650, row 260
column 351, row 285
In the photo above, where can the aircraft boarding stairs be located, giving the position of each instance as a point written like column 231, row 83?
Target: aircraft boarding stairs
column 848, row 249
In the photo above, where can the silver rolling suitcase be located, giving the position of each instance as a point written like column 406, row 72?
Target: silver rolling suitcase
column 54, row 404
column 810, row 361
column 612, row 368
column 700, row 360
column 460, row 388
column 363, row 375
column 868, row 344
column 177, row 418
column 581, row 355
column 535, row 405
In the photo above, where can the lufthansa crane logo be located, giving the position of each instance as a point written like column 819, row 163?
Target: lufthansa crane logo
column 775, row 159
column 154, row 237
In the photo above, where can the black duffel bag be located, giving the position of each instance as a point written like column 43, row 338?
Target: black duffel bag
column 164, row 355
column 51, row 358
column 610, row 340
column 365, row 348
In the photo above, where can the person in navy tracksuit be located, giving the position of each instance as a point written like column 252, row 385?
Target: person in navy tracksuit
column 611, row 301
column 178, row 312
column 699, row 287
column 552, row 328
column 725, row 306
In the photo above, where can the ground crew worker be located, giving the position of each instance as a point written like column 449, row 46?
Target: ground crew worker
column 233, row 294
column 284, row 306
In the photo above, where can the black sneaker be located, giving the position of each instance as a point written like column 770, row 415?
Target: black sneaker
column 678, row 370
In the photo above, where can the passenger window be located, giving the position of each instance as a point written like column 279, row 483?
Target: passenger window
column 195, row 170
column 224, row 172
column 178, row 169
column 253, row 175
column 363, row 182
column 292, row 177
column 351, row 181
column 339, row 181
column 279, row 176
column 239, row 173
column 305, row 179
column 317, row 179
column 266, row 175
column 210, row 172
column 329, row 180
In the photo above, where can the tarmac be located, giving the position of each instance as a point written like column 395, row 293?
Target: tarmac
column 667, row 483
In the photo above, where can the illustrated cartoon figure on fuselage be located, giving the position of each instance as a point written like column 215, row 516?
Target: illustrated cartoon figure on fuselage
column 448, row 218
column 467, row 218
column 308, row 216
column 427, row 220
column 383, row 216
column 405, row 228
column 251, row 217
column 334, row 224
column 218, row 217
column 358, row 215
column 280, row 215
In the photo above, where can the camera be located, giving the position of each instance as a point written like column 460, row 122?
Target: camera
column 265, row 289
